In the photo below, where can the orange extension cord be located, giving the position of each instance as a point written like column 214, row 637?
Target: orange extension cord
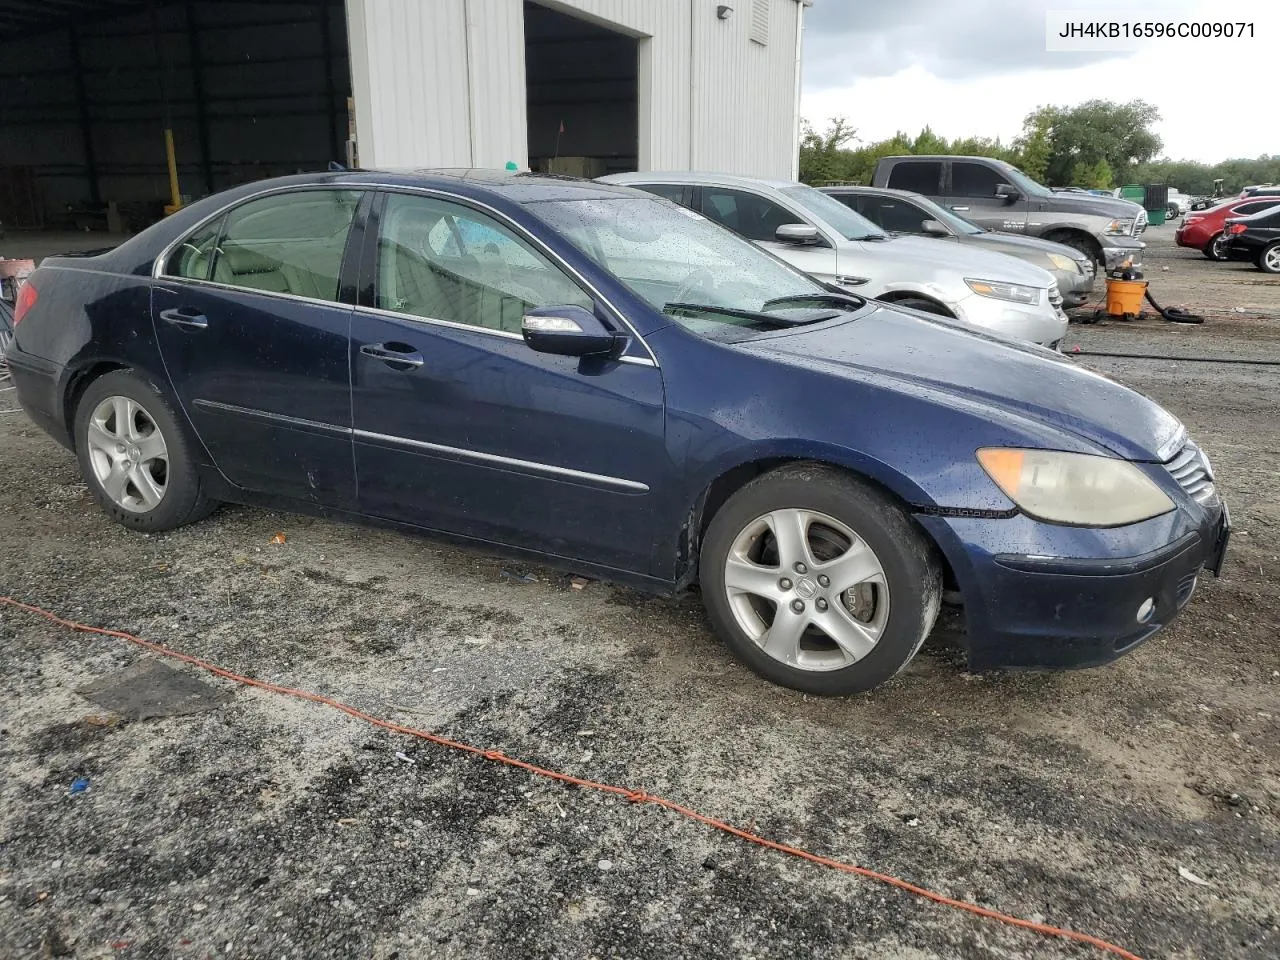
column 635, row 796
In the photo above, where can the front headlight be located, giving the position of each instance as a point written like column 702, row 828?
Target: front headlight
column 1074, row 488
column 1005, row 291
column 1119, row 228
column 1064, row 263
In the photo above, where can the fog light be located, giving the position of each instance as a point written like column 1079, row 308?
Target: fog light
column 1146, row 610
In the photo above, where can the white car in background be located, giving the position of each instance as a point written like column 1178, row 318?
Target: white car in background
column 821, row 236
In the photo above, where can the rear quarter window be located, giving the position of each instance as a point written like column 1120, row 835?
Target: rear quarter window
column 917, row 176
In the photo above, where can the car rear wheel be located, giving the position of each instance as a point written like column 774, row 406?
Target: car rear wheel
column 1269, row 259
column 818, row 581
column 134, row 456
column 1216, row 248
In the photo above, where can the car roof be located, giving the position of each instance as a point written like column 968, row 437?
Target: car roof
column 855, row 188
column 696, row 177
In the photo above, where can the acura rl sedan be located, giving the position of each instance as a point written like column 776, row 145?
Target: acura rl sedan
column 598, row 379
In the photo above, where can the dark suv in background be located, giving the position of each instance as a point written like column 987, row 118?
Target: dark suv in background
column 1001, row 197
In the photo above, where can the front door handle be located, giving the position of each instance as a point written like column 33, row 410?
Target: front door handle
column 960, row 209
column 398, row 356
column 186, row 317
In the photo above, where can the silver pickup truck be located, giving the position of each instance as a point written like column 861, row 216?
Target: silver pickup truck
column 1001, row 197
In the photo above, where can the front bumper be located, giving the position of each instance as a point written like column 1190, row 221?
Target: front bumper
column 1058, row 608
column 1116, row 250
column 1075, row 287
column 1042, row 323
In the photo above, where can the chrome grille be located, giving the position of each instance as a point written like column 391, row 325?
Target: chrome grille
column 1140, row 223
column 1190, row 468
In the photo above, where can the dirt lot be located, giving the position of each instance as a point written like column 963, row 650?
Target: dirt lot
column 276, row 828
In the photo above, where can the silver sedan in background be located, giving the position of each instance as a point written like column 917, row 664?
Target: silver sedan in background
column 821, row 236
column 904, row 212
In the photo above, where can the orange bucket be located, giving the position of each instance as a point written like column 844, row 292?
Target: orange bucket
column 1124, row 297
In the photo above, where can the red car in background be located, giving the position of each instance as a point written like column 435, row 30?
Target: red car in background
column 1203, row 230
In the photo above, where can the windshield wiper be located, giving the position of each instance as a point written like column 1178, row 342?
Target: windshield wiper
column 803, row 298
column 873, row 237
column 774, row 318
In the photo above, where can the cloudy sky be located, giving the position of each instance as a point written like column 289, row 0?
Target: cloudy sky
column 977, row 67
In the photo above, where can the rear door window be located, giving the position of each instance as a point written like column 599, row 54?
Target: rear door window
column 675, row 192
column 287, row 243
column 917, row 176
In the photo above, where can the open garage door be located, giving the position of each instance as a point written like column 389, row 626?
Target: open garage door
column 582, row 95
column 89, row 87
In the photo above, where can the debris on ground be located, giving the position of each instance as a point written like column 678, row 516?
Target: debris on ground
column 278, row 539
column 578, row 583
column 78, row 785
column 1190, row 877
column 152, row 689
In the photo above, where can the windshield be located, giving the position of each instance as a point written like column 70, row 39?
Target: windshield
column 1020, row 180
column 847, row 223
column 686, row 266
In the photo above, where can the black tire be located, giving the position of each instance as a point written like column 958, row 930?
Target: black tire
column 1215, row 248
column 1271, row 250
column 923, row 305
column 912, row 572
column 183, row 500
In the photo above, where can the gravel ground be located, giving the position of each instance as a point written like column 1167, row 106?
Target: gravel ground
column 272, row 827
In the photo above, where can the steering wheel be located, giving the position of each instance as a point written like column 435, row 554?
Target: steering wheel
column 698, row 279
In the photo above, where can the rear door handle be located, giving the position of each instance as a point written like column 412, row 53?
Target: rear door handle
column 398, row 356
column 186, row 317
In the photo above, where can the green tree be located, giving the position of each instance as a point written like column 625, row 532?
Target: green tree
column 1034, row 148
column 1092, row 175
column 823, row 158
column 1119, row 133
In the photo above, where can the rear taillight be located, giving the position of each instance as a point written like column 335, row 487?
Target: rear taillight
column 1237, row 228
column 27, row 297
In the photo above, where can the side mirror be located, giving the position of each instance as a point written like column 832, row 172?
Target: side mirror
column 568, row 331
column 798, row 233
column 1007, row 192
column 935, row 228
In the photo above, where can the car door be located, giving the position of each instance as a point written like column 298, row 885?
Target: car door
column 460, row 426
column 254, row 336
column 971, row 191
column 757, row 218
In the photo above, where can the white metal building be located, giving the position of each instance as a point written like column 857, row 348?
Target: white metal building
column 639, row 84
column 113, row 110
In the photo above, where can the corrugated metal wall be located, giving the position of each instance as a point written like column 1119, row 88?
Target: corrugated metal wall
column 443, row 83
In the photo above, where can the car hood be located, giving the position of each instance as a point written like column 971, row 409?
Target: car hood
column 1020, row 246
column 972, row 263
column 1088, row 205
column 1027, row 381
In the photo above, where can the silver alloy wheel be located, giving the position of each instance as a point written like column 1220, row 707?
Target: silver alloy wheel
column 1271, row 259
column 1218, row 247
column 807, row 589
column 128, row 454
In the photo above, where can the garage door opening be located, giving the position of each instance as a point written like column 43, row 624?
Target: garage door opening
column 249, row 90
column 582, row 95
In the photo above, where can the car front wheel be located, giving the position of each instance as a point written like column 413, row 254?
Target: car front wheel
column 819, row 581
column 134, row 456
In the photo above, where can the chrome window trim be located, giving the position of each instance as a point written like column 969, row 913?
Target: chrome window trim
column 494, row 459
column 157, row 266
column 262, row 293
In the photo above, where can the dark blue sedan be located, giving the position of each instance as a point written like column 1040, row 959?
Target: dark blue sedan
column 600, row 380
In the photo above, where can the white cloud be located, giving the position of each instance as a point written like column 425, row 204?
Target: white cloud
column 885, row 74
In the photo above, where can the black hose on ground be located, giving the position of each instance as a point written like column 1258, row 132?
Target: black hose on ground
column 1160, row 356
column 1173, row 314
